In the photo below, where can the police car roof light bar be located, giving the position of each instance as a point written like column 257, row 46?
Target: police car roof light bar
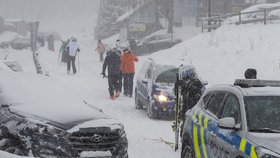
column 246, row 83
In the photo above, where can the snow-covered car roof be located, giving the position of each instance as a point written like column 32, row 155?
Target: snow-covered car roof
column 158, row 37
column 42, row 96
column 251, row 91
column 261, row 91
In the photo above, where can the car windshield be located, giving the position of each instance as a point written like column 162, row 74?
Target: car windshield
column 168, row 76
column 263, row 113
column 164, row 37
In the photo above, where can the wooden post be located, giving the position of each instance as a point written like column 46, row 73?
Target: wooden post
column 265, row 18
column 240, row 22
column 202, row 26
column 209, row 15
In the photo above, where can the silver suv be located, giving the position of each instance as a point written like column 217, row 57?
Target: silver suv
column 235, row 121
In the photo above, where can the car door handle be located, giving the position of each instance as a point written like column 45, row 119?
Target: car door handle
column 213, row 135
column 196, row 123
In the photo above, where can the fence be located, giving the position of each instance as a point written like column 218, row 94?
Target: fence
column 214, row 22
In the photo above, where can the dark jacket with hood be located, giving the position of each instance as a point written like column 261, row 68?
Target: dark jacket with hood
column 113, row 62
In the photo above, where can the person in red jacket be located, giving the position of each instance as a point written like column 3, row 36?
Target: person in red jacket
column 128, row 70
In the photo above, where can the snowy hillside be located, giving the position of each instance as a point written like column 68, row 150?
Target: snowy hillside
column 223, row 55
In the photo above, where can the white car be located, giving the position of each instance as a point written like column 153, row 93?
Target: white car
column 235, row 121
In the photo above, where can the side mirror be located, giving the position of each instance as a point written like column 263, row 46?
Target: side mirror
column 145, row 81
column 204, row 82
column 227, row 123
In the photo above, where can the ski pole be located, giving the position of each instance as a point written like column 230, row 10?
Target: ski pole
column 78, row 62
column 59, row 56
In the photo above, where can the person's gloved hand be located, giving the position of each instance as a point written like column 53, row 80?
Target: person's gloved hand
column 103, row 75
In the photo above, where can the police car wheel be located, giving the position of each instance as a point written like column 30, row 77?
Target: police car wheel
column 188, row 150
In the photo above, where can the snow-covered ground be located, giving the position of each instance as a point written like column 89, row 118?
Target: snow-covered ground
column 220, row 57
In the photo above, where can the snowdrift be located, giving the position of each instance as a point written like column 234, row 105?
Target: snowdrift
column 224, row 54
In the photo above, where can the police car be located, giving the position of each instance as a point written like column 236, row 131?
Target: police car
column 235, row 121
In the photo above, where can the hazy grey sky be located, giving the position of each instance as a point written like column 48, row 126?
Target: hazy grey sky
column 67, row 17
column 38, row 9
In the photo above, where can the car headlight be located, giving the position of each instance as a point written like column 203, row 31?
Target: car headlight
column 161, row 98
column 266, row 153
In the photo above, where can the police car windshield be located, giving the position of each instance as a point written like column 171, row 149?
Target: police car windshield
column 263, row 113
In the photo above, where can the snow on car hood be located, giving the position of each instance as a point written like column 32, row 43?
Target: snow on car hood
column 164, row 88
column 42, row 96
column 113, row 124
column 268, row 140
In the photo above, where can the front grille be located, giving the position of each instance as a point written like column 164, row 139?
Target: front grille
column 100, row 139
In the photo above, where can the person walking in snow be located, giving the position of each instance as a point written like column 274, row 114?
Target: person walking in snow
column 63, row 52
column 121, row 74
column 100, row 49
column 73, row 48
column 128, row 70
column 112, row 63
column 191, row 90
column 41, row 40
column 50, row 40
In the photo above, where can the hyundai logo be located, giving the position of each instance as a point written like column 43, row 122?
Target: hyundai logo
column 96, row 138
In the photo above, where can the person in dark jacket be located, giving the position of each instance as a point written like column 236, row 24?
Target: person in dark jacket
column 41, row 40
column 191, row 89
column 250, row 74
column 112, row 62
column 64, row 53
column 50, row 40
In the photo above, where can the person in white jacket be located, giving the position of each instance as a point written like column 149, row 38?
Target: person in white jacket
column 72, row 48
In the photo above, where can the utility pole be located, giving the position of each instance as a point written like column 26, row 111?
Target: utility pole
column 170, row 16
column 198, row 12
column 209, row 14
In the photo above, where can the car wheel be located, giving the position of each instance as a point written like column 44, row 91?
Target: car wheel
column 137, row 102
column 14, row 150
column 11, row 143
column 187, row 149
column 150, row 111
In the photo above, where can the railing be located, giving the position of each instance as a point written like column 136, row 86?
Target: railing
column 214, row 22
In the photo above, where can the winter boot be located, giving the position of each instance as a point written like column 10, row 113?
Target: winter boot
column 112, row 97
column 117, row 94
